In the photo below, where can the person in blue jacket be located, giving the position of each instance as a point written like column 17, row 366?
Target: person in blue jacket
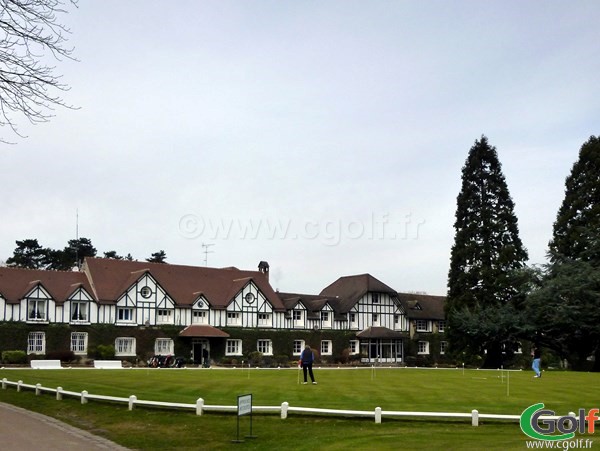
column 306, row 360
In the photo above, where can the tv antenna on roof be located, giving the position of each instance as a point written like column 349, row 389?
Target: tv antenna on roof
column 206, row 252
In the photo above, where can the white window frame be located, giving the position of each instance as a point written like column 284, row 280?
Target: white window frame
column 233, row 347
column 76, row 308
column 164, row 346
column 375, row 319
column 326, row 347
column 199, row 317
column 443, row 347
column 79, row 343
column 419, row 325
column 354, row 347
column 264, row 319
column 352, row 318
column 441, row 325
column 298, row 347
column 264, row 346
column 125, row 346
column 161, row 318
column 375, row 298
column 36, row 309
column 234, row 319
column 297, row 316
column 125, row 318
column 36, row 343
column 423, row 347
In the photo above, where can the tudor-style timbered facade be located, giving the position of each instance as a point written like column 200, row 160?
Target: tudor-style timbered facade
column 202, row 302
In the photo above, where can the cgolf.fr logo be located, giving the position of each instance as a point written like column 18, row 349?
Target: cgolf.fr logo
column 535, row 423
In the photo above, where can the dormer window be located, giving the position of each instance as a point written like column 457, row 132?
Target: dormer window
column 375, row 297
column 79, row 311
column 36, row 310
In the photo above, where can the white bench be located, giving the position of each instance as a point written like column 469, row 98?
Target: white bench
column 45, row 364
column 108, row 364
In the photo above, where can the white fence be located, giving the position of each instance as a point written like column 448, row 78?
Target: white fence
column 284, row 409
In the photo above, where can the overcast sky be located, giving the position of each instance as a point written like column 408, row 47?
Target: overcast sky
column 325, row 137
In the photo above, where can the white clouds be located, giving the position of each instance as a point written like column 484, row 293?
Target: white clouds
column 304, row 112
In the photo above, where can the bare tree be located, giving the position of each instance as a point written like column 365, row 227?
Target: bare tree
column 29, row 31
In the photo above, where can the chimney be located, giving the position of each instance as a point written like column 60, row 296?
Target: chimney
column 263, row 267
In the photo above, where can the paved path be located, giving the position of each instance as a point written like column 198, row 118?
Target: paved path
column 23, row 430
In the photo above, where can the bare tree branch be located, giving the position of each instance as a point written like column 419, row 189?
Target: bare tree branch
column 29, row 31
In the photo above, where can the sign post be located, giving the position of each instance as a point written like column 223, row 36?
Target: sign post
column 244, row 407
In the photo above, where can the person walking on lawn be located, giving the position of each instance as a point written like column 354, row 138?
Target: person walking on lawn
column 306, row 360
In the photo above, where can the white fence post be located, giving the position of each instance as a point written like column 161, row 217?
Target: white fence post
column 199, row 406
column 19, row 385
column 84, row 400
column 377, row 415
column 59, row 393
column 4, row 383
column 475, row 417
column 132, row 400
column 284, row 410
column 37, row 389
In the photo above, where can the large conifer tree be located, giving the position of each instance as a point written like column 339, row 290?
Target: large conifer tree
column 486, row 257
column 565, row 311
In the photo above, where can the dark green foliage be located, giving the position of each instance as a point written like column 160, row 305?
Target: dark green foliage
column 28, row 254
column 486, row 258
column 14, row 357
column 158, row 257
column 578, row 221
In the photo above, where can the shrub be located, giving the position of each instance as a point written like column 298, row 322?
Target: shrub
column 105, row 352
column 14, row 357
column 64, row 356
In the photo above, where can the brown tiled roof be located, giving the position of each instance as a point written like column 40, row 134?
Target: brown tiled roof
column 379, row 332
column 423, row 306
column 15, row 283
column 203, row 331
column 111, row 278
column 349, row 289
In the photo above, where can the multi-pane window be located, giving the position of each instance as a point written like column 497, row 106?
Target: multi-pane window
column 422, row 325
column 164, row 316
column 233, row 318
column 36, row 310
column 443, row 347
column 79, row 311
column 326, row 347
column 352, row 318
column 199, row 317
column 36, row 343
column 79, row 342
column 125, row 314
column 163, row 346
column 125, row 346
column 375, row 298
column 441, row 326
column 375, row 319
column 298, row 346
column 325, row 317
column 233, row 347
column 265, row 347
column 297, row 315
column 264, row 319
column 423, row 347
column 354, row 346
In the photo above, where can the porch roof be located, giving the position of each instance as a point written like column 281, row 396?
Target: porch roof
column 379, row 332
column 203, row 331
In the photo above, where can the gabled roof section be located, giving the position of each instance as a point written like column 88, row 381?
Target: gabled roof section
column 110, row 278
column 15, row 283
column 349, row 289
column 312, row 302
column 423, row 306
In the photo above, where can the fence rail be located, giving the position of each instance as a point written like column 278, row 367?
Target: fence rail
column 199, row 407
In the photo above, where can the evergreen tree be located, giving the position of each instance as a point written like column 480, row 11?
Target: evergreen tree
column 28, row 254
column 578, row 220
column 158, row 257
column 565, row 311
column 486, row 261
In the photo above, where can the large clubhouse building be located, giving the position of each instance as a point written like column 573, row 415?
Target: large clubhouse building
column 218, row 315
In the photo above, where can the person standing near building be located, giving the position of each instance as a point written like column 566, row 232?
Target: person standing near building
column 306, row 360
column 537, row 360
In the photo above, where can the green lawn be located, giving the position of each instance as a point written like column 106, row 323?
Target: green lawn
column 356, row 389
